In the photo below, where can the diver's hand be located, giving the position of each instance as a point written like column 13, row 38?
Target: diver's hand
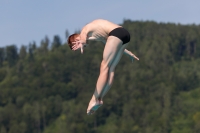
column 132, row 56
column 77, row 45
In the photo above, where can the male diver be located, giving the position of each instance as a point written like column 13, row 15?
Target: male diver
column 116, row 39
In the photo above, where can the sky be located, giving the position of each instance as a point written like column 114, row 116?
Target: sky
column 25, row 21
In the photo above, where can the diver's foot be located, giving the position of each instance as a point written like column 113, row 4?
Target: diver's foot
column 93, row 106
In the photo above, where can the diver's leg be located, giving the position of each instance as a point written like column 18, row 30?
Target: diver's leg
column 112, row 70
column 112, row 54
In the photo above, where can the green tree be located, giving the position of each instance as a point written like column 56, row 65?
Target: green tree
column 22, row 52
column 56, row 42
column 11, row 55
column 2, row 56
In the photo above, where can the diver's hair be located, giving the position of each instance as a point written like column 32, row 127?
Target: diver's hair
column 71, row 39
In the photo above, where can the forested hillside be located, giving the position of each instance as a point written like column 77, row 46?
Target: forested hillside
column 45, row 88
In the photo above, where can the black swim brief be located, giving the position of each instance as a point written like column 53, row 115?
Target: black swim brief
column 121, row 33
